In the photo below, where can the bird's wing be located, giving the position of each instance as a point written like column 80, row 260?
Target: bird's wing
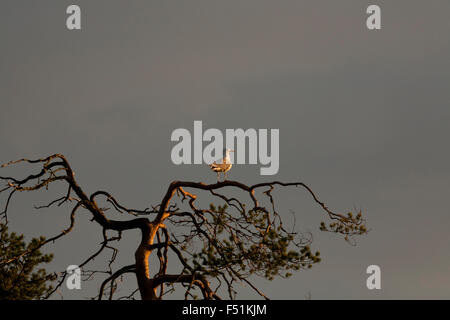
column 219, row 167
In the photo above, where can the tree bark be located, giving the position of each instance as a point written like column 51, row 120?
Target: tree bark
column 142, row 254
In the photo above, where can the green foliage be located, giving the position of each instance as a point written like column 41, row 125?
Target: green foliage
column 347, row 225
column 18, row 279
column 251, row 244
column 232, row 244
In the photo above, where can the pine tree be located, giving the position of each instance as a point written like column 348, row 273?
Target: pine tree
column 19, row 279
column 240, row 236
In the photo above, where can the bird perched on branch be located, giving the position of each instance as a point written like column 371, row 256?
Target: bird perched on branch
column 224, row 167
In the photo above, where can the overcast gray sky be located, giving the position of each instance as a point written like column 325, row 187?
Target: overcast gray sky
column 363, row 117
